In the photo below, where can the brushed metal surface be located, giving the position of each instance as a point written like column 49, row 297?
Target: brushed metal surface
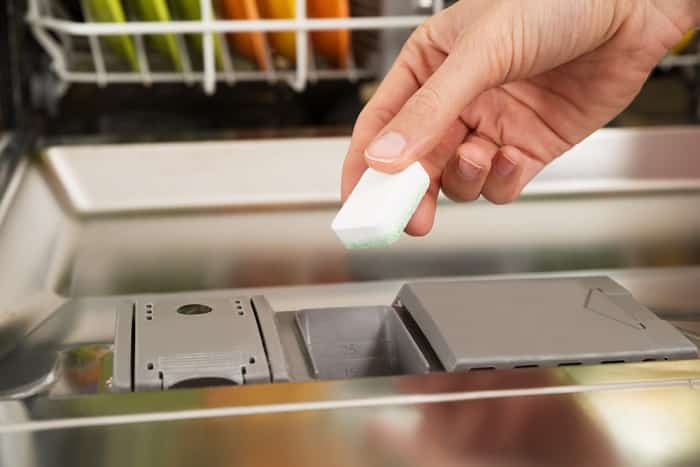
column 84, row 229
column 52, row 413
column 642, row 414
column 258, row 173
column 234, row 240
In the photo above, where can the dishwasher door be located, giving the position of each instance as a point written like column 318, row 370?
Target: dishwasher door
column 90, row 234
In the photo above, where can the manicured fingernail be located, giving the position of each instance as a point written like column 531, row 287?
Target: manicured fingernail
column 386, row 148
column 503, row 166
column 469, row 170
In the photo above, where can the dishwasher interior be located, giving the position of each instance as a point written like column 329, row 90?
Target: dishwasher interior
column 215, row 299
column 186, row 302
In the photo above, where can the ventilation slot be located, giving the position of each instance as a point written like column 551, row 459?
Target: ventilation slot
column 203, row 383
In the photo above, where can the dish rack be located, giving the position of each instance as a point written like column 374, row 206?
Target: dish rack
column 79, row 54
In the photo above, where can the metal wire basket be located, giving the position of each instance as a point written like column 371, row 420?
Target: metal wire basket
column 79, row 50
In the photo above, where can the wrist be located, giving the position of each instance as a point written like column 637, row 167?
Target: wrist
column 691, row 13
column 685, row 14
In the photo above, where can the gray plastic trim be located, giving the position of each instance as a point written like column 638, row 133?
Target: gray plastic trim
column 359, row 342
column 172, row 348
column 538, row 322
column 121, row 361
column 279, row 369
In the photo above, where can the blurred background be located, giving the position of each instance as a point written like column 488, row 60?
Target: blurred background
column 81, row 70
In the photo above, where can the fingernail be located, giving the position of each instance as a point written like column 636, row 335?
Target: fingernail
column 503, row 166
column 469, row 170
column 386, row 148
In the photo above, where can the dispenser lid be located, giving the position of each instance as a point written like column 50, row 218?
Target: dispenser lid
column 489, row 324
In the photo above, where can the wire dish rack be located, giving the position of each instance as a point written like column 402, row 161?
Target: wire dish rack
column 80, row 51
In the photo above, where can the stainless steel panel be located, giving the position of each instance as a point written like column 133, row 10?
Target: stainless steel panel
column 155, row 242
column 4, row 139
column 51, row 413
column 84, row 230
column 36, row 237
column 144, row 177
column 643, row 414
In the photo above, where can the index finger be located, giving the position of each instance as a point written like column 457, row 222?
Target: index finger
column 396, row 88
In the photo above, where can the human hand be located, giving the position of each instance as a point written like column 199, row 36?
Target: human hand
column 488, row 92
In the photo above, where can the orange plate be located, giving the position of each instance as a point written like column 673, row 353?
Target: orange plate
column 284, row 42
column 250, row 44
column 333, row 45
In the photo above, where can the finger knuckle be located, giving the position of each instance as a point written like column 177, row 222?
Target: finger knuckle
column 501, row 195
column 373, row 117
column 458, row 191
column 413, row 45
column 472, row 196
column 419, row 55
column 426, row 102
column 462, row 196
column 424, row 34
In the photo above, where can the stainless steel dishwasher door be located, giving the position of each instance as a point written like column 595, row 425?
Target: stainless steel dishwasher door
column 83, row 228
column 172, row 217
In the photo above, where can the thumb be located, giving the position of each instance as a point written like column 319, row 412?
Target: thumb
column 426, row 116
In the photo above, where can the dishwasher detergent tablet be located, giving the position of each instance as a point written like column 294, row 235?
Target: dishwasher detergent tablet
column 380, row 206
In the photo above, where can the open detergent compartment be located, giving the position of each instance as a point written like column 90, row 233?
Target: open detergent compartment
column 181, row 340
column 359, row 342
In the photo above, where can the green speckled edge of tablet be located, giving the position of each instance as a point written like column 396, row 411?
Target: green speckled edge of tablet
column 393, row 235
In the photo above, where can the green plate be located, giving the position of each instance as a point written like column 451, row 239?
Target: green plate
column 190, row 10
column 112, row 11
column 157, row 10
